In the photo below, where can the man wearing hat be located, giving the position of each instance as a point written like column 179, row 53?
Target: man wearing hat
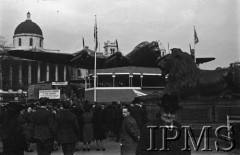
column 163, row 127
column 138, row 113
column 13, row 139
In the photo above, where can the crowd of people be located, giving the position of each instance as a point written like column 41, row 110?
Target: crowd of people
column 75, row 124
column 51, row 123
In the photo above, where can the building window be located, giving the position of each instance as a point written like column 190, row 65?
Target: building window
column 19, row 42
column 40, row 43
column 31, row 41
column 112, row 50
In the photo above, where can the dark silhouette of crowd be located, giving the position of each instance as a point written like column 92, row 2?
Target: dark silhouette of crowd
column 74, row 124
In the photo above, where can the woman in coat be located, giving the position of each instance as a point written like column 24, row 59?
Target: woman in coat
column 99, row 127
column 88, row 134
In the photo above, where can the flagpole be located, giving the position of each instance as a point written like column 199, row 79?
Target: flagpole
column 194, row 38
column 95, row 60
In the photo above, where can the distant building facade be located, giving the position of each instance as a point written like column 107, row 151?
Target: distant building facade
column 17, row 74
column 110, row 48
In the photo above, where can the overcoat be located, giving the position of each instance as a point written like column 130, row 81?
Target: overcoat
column 67, row 127
column 43, row 123
column 130, row 135
column 99, row 124
column 88, row 133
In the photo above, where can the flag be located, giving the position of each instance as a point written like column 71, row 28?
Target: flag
column 83, row 42
column 168, row 46
column 117, row 45
column 195, row 37
column 95, row 34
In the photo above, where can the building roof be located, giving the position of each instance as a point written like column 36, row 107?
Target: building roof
column 28, row 27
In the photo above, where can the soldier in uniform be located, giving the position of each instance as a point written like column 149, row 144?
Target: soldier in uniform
column 44, row 129
column 67, row 128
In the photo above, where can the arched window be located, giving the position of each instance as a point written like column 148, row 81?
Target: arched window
column 19, row 42
column 31, row 42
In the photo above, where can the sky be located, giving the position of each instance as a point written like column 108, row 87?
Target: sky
column 65, row 22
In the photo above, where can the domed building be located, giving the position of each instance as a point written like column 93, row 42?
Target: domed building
column 28, row 35
column 17, row 74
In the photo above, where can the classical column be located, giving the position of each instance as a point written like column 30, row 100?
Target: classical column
column 47, row 72
column 113, row 76
column 1, row 75
column 64, row 73
column 56, row 72
column 141, row 76
column 1, row 87
column 10, row 75
column 89, row 82
column 130, row 80
column 96, row 81
column 38, row 73
column 20, row 73
column 29, row 72
column 85, row 82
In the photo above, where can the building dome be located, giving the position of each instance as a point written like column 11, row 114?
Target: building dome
column 28, row 35
column 28, row 27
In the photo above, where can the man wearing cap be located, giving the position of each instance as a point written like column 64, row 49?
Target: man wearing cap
column 138, row 113
column 165, row 137
column 44, row 130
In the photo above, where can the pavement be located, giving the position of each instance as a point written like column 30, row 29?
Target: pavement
column 113, row 148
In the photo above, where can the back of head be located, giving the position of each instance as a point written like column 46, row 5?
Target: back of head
column 136, row 101
column 43, row 101
column 170, row 103
column 14, row 108
column 66, row 104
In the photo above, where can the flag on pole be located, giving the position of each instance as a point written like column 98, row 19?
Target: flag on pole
column 192, row 51
column 168, row 47
column 95, row 34
column 95, row 61
column 83, row 42
column 195, row 37
column 117, row 45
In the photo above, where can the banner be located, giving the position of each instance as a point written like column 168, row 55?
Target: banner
column 51, row 94
column 59, row 83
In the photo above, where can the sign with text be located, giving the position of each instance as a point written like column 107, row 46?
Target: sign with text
column 60, row 83
column 51, row 94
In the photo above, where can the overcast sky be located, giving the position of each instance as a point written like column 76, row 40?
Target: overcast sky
column 65, row 22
